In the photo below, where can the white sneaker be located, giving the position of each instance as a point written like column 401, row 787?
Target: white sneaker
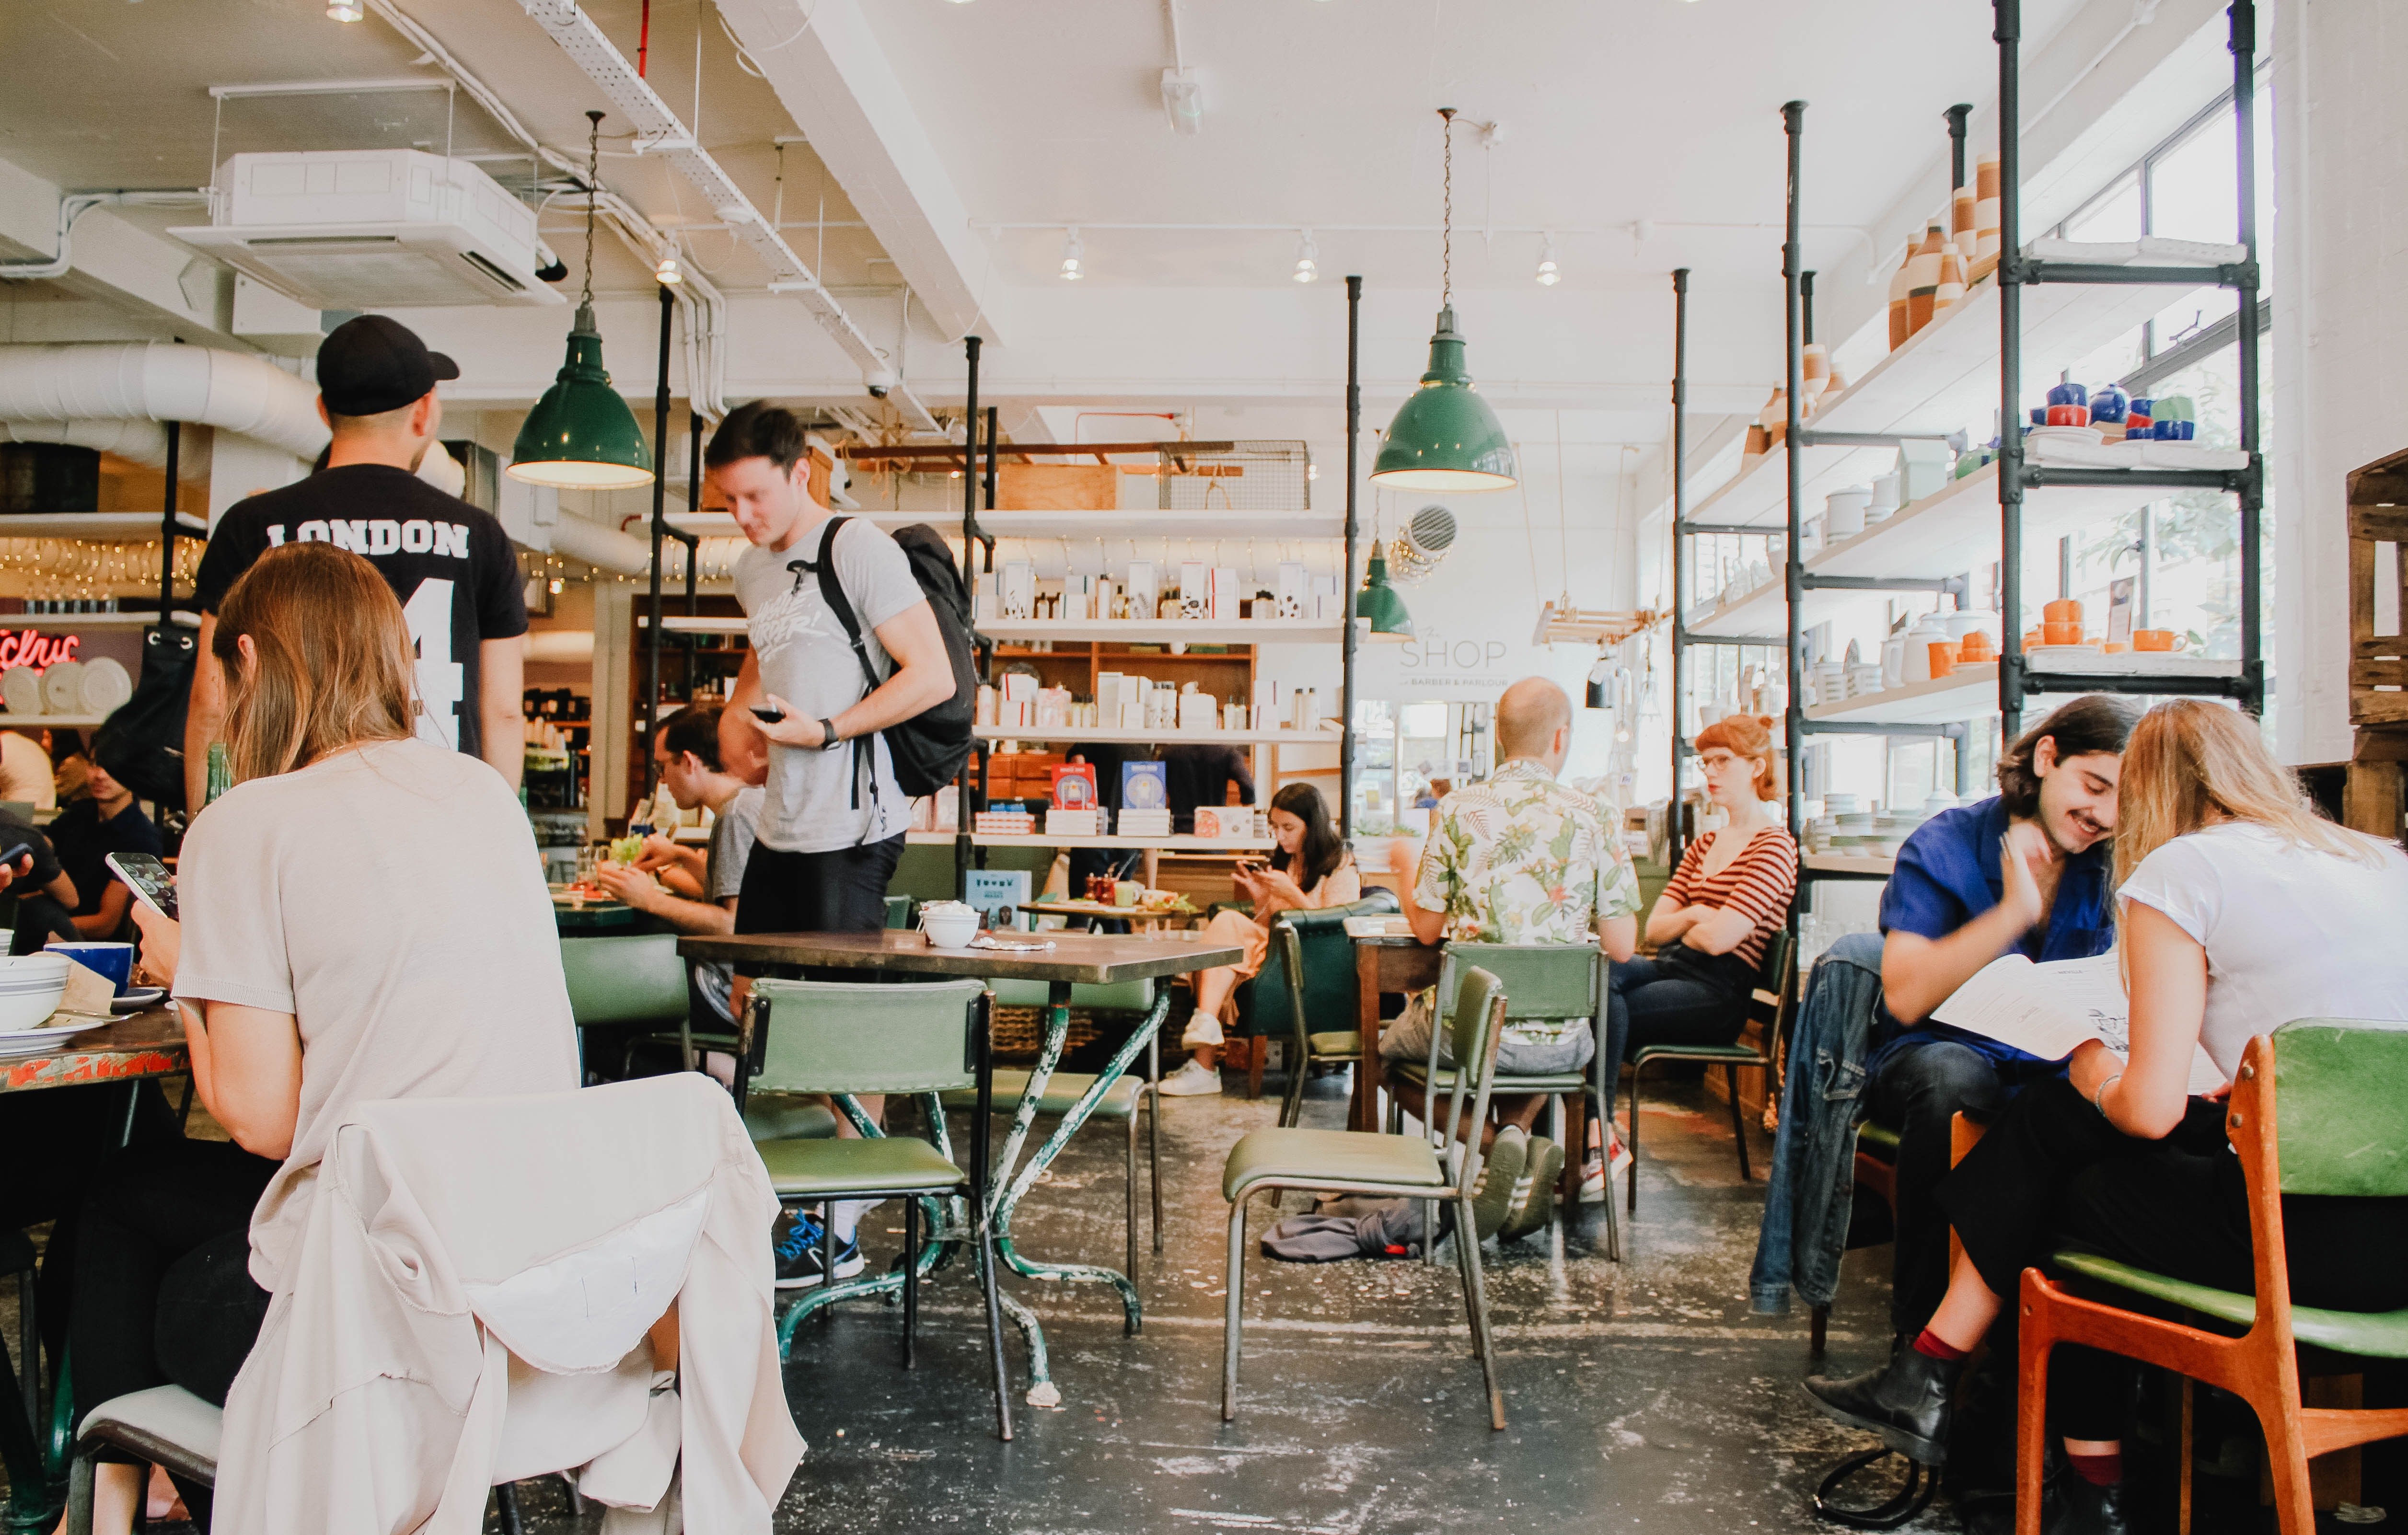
column 1617, row 1155
column 1193, row 1080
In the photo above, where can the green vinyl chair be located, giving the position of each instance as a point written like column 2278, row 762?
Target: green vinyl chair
column 1307, row 1047
column 631, row 979
column 1063, row 1089
column 1267, row 1006
column 1543, row 982
column 1776, row 977
column 1343, row 1162
column 2319, row 1107
column 843, row 1039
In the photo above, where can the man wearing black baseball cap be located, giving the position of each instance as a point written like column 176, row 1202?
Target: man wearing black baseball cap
column 451, row 564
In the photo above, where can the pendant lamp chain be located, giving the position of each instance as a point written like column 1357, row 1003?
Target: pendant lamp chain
column 1446, row 237
column 593, row 194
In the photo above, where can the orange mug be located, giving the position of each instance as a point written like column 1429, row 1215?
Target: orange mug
column 2114, row 647
column 2063, row 610
column 2054, row 633
column 1976, row 647
column 2158, row 639
column 2034, row 638
column 1944, row 657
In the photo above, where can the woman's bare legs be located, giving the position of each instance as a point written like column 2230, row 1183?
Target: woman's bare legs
column 117, row 1492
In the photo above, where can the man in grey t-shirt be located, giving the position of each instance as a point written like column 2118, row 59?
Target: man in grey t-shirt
column 833, row 820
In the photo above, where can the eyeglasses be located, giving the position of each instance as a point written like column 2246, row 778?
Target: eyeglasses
column 1716, row 762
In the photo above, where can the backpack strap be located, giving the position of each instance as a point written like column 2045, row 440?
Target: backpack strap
column 832, row 593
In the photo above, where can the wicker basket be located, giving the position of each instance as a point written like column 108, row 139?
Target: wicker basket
column 1018, row 1032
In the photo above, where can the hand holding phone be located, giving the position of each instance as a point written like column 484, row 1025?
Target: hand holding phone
column 150, row 879
column 767, row 716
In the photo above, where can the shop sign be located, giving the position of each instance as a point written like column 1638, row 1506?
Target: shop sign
column 1442, row 663
column 34, row 648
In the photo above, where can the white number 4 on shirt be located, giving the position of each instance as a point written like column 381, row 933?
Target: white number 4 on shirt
column 440, row 679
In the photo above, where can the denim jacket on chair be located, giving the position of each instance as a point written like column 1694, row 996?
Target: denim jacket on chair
column 1813, row 1186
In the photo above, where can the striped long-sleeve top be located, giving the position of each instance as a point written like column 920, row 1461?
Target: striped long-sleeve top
column 1759, row 882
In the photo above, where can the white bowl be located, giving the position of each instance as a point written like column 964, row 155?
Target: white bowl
column 30, row 988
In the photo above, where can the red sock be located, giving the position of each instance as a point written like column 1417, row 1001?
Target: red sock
column 1932, row 1344
column 2100, row 1471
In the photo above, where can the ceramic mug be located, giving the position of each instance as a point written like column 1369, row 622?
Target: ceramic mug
column 2067, row 393
column 2060, row 633
column 2159, row 640
column 949, row 925
column 2063, row 611
column 1944, row 653
column 114, row 961
column 1843, row 512
column 2069, row 415
column 1975, row 648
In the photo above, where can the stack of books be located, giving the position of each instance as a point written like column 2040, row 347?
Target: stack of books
column 1144, row 822
column 1004, row 823
column 1073, row 824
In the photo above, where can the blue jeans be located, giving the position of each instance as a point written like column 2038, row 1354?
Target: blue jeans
column 1680, row 996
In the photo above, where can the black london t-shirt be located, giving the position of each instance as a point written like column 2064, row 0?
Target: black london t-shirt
column 449, row 563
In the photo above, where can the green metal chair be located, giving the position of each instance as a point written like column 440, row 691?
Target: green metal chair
column 2341, row 1128
column 1775, row 979
column 1543, row 982
column 1264, row 1007
column 1343, row 1162
column 842, row 1038
column 1308, row 1047
column 632, row 979
column 1063, row 1089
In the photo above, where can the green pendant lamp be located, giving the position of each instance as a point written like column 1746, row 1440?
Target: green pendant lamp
column 580, row 435
column 1445, row 438
column 1379, row 605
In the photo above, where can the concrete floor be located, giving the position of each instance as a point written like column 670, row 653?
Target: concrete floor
column 1642, row 1397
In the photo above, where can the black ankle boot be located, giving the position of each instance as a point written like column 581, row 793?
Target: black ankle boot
column 2084, row 1507
column 1906, row 1402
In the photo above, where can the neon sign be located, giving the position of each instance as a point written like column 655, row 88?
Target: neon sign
column 36, row 650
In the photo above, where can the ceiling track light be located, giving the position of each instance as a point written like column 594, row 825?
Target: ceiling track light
column 1306, row 266
column 1072, row 254
column 1549, row 275
column 669, row 274
column 346, row 11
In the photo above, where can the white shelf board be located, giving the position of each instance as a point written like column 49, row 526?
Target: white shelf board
column 1944, row 377
column 1840, row 862
column 1098, row 735
column 1968, row 693
column 54, row 622
column 103, row 527
column 1951, row 532
column 53, row 722
column 1112, row 525
column 1244, row 631
column 1162, row 845
column 680, row 624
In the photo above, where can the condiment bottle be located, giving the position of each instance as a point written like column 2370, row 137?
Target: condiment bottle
column 1923, row 278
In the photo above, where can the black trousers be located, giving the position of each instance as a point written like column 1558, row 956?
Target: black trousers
column 1917, row 1090
column 842, row 890
column 162, row 1289
column 1681, row 996
column 2052, row 1173
column 52, row 1144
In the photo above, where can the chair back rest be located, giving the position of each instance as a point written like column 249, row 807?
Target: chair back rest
column 849, row 1036
column 627, row 978
column 1475, row 1027
column 898, row 911
column 1327, row 983
column 1773, row 979
column 1542, row 980
column 2341, row 1122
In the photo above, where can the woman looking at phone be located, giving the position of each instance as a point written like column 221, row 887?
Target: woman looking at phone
column 308, row 978
column 1310, row 869
column 2241, row 909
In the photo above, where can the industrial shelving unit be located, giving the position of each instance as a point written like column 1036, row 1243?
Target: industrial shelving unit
column 1967, row 360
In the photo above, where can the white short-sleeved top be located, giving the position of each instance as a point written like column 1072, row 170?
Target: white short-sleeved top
column 2290, row 931
column 391, row 899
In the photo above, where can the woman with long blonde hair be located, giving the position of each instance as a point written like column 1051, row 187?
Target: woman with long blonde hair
column 363, row 917
column 2240, row 911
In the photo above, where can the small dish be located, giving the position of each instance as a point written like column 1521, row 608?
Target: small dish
column 106, row 687
column 21, row 689
column 134, row 998
column 62, row 687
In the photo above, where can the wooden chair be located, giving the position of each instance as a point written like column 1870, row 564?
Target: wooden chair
column 2340, row 1129
column 1769, row 1004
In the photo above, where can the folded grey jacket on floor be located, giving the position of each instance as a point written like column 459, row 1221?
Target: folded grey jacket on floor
column 1806, row 1204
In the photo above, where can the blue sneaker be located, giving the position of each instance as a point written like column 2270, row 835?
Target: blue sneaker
column 798, row 1253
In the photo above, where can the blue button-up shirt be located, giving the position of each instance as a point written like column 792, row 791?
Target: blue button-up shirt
column 1948, row 874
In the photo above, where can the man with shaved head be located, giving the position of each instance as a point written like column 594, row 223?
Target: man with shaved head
column 1520, row 858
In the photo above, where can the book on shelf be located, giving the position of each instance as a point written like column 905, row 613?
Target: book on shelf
column 1143, row 823
column 2051, row 1010
column 1086, row 823
column 1004, row 823
column 1145, row 786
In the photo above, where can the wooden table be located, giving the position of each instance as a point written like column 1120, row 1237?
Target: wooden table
column 1386, row 959
column 1109, row 913
column 1074, row 958
column 150, row 1044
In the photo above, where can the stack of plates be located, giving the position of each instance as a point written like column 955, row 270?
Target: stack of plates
column 99, row 687
column 30, row 988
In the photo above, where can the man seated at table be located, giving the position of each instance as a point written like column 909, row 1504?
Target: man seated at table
column 1955, row 903
column 1520, row 858
column 691, row 890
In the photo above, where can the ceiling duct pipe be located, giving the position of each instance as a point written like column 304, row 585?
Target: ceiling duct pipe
column 604, row 547
column 47, row 389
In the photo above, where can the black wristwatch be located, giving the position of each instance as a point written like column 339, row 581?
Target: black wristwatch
column 830, row 739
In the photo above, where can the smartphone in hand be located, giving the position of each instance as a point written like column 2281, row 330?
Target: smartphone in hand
column 150, row 879
column 767, row 716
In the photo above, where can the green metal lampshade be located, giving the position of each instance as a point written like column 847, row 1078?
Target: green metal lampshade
column 580, row 435
column 1379, row 603
column 1446, row 437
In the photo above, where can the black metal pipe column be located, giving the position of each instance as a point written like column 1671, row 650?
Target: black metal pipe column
column 1955, row 117
column 1793, row 119
column 1346, row 573
column 168, row 531
column 1680, row 545
column 1806, row 306
column 692, row 542
column 651, row 715
column 2252, row 482
column 2008, row 33
column 970, row 542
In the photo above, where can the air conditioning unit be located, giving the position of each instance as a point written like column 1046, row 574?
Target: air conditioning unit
column 373, row 229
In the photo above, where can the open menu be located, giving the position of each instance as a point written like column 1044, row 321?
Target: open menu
column 2051, row 1010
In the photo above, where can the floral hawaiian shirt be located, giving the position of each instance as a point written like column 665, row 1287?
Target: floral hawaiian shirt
column 1520, row 858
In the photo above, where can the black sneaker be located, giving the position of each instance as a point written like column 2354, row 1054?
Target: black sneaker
column 798, row 1255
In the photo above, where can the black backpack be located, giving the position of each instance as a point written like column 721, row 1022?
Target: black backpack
column 929, row 749
column 141, row 744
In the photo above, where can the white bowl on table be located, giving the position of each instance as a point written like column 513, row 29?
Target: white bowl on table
column 30, row 988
